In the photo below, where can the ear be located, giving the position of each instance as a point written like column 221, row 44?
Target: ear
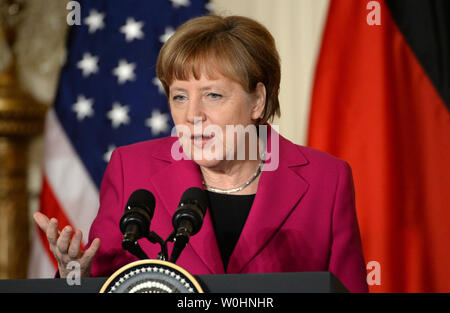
column 259, row 101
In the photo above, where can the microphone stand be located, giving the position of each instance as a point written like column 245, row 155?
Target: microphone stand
column 154, row 238
column 134, row 248
column 181, row 240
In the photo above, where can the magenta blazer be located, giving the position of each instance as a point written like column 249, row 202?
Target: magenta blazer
column 303, row 217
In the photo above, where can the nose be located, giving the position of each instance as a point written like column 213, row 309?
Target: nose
column 195, row 113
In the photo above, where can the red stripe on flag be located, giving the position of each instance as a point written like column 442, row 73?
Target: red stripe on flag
column 50, row 206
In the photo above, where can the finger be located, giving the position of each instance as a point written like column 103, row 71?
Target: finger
column 52, row 232
column 74, row 246
column 64, row 239
column 42, row 220
column 91, row 251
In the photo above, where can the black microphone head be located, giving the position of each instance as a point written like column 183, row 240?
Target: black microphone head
column 192, row 209
column 135, row 221
column 144, row 199
column 195, row 194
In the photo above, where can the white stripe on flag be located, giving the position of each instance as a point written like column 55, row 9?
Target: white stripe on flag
column 68, row 178
column 40, row 265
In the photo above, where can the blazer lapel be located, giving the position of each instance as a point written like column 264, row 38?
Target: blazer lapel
column 279, row 192
column 169, row 184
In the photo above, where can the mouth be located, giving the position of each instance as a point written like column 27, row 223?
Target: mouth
column 201, row 140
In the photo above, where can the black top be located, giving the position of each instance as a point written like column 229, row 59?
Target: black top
column 228, row 214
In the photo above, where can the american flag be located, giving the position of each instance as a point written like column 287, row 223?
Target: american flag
column 108, row 96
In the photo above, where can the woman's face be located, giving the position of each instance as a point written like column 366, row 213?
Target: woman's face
column 204, row 109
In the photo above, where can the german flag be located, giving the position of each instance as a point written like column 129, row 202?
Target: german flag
column 381, row 101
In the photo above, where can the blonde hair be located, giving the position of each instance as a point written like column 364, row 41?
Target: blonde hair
column 239, row 47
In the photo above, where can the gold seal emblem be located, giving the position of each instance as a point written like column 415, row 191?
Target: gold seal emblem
column 151, row 276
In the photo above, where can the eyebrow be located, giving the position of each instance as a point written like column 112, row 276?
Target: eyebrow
column 182, row 89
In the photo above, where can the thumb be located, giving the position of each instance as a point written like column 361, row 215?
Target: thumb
column 89, row 254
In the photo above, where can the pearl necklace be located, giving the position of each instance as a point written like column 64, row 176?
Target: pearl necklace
column 233, row 190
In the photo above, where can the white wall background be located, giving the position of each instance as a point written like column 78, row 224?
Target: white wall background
column 297, row 27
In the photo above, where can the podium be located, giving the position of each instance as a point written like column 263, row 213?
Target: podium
column 303, row 282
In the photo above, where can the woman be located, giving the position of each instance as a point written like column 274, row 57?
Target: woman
column 285, row 208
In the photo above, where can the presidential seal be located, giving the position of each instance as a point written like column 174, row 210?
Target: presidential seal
column 151, row 276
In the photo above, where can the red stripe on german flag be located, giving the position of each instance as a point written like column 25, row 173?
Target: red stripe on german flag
column 375, row 105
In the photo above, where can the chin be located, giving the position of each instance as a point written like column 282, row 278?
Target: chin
column 204, row 162
column 207, row 156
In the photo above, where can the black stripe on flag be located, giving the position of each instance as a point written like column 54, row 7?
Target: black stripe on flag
column 425, row 24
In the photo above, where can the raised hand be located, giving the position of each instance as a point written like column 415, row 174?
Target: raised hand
column 66, row 248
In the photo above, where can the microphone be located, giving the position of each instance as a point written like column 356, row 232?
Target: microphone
column 135, row 221
column 188, row 219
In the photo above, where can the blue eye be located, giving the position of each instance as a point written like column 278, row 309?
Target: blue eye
column 178, row 97
column 214, row 95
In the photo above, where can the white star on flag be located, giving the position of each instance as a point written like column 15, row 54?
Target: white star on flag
column 132, row 29
column 83, row 107
column 158, row 84
column 89, row 64
column 107, row 154
column 118, row 115
column 169, row 31
column 179, row 3
column 95, row 21
column 159, row 123
column 210, row 7
column 125, row 71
